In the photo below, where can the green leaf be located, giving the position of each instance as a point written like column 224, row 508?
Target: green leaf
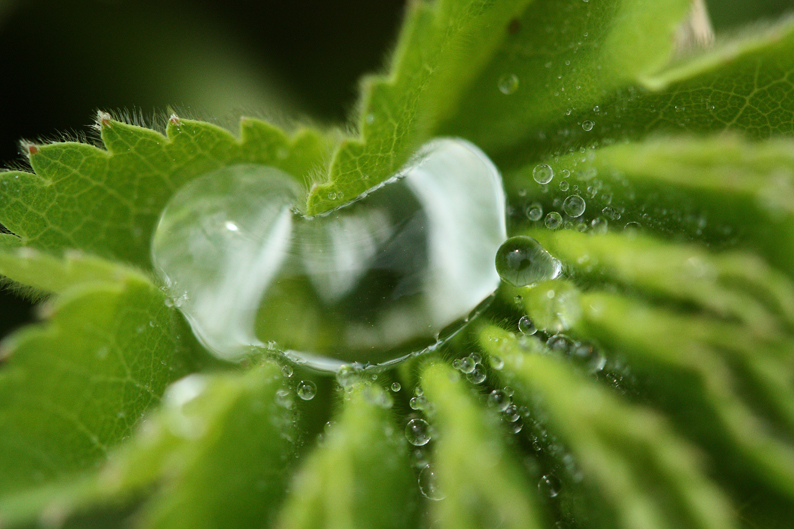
column 359, row 475
column 568, row 57
column 207, row 425
column 721, row 190
column 441, row 48
column 471, row 461
column 48, row 273
column 660, row 485
column 76, row 385
column 107, row 202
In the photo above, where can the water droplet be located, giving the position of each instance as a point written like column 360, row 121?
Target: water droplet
column 543, row 173
column 526, row 326
column 496, row 362
column 508, row 84
column 377, row 280
column 428, row 484
column 307, row 389
column 553, row 220
column 284, row 398
column 467, row 365
column 395, row 386
column 599, row 225
column 286, row 370
column 522, row 261
column 549, row 485
column 347, row 375
column 498, row 400
column 564, row 185
column 417, row 431
column 478, row 375
column 588, row 125
column 574, row 206
column 534, row 211
column 418, row 403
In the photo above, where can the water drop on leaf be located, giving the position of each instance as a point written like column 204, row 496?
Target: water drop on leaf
column 522, row 261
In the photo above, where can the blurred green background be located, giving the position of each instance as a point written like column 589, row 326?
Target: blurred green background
column 286, row 61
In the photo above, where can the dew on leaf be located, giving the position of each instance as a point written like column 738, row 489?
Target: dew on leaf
column 534, row 211
column 498, row 400
column 372, row 282
column 395, row 386
column 588, row 125
column 306, row 389
column 417, row 432
column 549, row 485
column 526, row 327
column 574, row 206
column 522, row 261
column 508, row 84
column 428, row 484
column 543, row 173
column 478, row 375
column 553, row 220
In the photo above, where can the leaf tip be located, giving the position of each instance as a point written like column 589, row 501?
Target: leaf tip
column 174, row 120
column 103, row 120
column 29, row 148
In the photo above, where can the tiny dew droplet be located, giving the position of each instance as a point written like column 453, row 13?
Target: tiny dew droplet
column 522, row 261
column 307, row 389
column 346, row 375
column 542, row 173
column 498, row 400
column 574, row 206
column 534, row 211
column 286, row 370
column 496, row 362
column 417, row 431
column 395, row 386
column 526, row 326
column 428, row 484
column 549, row 485
column 508, row 84
column 553, row 220
column 588, row 125
column 478, row 375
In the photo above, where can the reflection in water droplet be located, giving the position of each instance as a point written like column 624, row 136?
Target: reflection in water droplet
column 395, row 386
column 428, row 484
column 553, row 220
column 417, row 431
column 307, row 389
column 542, row 173
column 574, row 206
column 526, row 326
column 549, row 485
column 370, row 283
column 522, row 261
column 588, row 126
column 508, row 84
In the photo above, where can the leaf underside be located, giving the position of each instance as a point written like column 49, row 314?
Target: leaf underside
column 656, row 391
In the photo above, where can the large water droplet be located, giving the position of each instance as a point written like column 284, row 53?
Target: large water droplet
column 522, row 261
column 370, row 283
column 574, row 206
column 428, row 484
column 306, row 389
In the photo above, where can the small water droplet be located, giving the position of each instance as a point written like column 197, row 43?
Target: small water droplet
column 346, row 375
column 599, row 225
column 428, row 484
column 498, row 400
column 526, row 326
column 496, row 362
column 395, row 386
column 478, row 375
column 467, row 365
column 543, row 173
column 284, row 398
column 508, row 84
column 588, row 125
column 534, row 211
column 553, row 220
column 307, row 389
column 417, row 431
column 564, row 185
column 286, row 370
column 522, row 261
column 418, row 403
column 549, row 485
column 574, row 206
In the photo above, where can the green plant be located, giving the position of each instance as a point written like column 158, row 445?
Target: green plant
column 660, row 396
